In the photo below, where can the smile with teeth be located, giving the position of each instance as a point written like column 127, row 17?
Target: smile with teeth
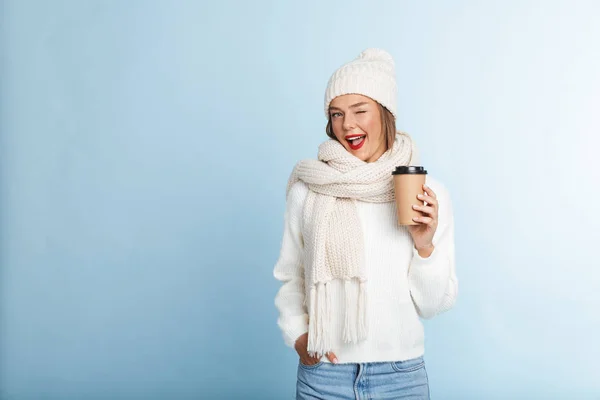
column 356, row 141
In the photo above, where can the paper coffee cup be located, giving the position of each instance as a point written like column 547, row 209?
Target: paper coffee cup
column 408, row 183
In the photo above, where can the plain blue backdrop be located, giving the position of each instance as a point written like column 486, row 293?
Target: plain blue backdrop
column 144, row 152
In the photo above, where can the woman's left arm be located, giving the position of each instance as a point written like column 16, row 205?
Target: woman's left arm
column 432, row 274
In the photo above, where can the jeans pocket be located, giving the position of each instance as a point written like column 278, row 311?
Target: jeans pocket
column 408, row 365
column 310, row 367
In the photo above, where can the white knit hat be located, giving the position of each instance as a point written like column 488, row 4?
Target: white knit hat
column 371, row 74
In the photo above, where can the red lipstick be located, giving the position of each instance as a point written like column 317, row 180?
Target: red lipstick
column 356, row 141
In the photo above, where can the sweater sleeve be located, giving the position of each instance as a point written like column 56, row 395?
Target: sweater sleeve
column 432, row 280
column 290, row 299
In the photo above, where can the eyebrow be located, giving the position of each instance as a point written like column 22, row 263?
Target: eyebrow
column 352, row 106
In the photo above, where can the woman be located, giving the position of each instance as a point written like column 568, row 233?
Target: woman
column 355, row 282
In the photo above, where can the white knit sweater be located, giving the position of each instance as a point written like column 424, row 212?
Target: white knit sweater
column 402, row 285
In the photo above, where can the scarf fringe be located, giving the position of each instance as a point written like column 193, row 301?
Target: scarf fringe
column 320, row 339
column 350, row 317
column 363, row 330
column 312, row 323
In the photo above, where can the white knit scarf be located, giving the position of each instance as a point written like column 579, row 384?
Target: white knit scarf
column 333, row 243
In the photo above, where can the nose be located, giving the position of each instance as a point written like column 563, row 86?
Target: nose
column 349, row 123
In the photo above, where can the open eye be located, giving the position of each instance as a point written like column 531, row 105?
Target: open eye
column 336, row 115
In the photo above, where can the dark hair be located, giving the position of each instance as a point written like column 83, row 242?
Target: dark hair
column 388, row 126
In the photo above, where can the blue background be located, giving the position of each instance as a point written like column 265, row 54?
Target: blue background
column 144, row 152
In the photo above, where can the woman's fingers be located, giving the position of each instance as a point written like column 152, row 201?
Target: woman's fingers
column 425, row 209
column 431, row 201
column 310, row 360
column 424, row 220
column 429, row 192
column 430, row 197
column 332, row 357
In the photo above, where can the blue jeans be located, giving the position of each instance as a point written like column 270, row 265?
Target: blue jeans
column 378, row 380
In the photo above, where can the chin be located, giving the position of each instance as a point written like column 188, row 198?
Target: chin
column 361, row 155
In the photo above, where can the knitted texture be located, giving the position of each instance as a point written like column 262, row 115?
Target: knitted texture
column 333, row 241
column 371, row 74
column 403, row 287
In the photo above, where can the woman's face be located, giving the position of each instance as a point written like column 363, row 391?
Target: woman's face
column 356, row 123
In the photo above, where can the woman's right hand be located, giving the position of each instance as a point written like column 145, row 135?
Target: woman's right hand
column 301, row 347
